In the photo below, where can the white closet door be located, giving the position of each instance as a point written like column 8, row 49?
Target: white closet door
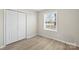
column 10, row 26
column 21, row 26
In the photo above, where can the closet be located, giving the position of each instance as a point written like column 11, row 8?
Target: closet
column 21, row 26
column 14, row 25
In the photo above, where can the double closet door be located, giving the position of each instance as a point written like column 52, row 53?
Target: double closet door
column 15, row 26
column 21, row 26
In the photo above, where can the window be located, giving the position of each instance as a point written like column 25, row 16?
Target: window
column 50, row 21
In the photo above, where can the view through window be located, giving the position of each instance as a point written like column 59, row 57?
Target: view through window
column 50, row 21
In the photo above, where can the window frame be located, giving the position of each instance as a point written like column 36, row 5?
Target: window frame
column 45, row 24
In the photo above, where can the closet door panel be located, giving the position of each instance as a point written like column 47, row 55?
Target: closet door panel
column 21, row 26
column 11, row 26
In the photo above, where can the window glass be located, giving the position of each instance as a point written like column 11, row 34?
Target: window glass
column 50, row 21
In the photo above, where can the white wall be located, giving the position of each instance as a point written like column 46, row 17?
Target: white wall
column 1, row 27
column 67, row 26
column 31, row 24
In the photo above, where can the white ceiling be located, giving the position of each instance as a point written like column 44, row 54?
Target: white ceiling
column 37, row 9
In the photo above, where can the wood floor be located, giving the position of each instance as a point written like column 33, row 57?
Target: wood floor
column 39, row 43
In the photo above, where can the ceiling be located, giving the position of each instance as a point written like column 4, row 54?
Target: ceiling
column 37, row 10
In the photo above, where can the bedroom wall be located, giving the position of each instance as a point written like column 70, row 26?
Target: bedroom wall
column 31, row 24
column 1, row 28
column 67, row 26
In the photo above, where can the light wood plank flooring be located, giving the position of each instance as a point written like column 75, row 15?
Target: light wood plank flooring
column 39, row 43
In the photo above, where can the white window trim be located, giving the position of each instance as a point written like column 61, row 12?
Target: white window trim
column 56, row 22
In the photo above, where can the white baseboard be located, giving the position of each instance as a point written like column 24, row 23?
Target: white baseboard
column 28, row 37
column 2, row 46
column 60, row 40
column 73, row 44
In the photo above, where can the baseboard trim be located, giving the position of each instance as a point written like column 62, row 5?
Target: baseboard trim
column 31, row 36
column 69, row 43
column 2, row 46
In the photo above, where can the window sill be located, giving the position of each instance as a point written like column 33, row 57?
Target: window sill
column 50, row 30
